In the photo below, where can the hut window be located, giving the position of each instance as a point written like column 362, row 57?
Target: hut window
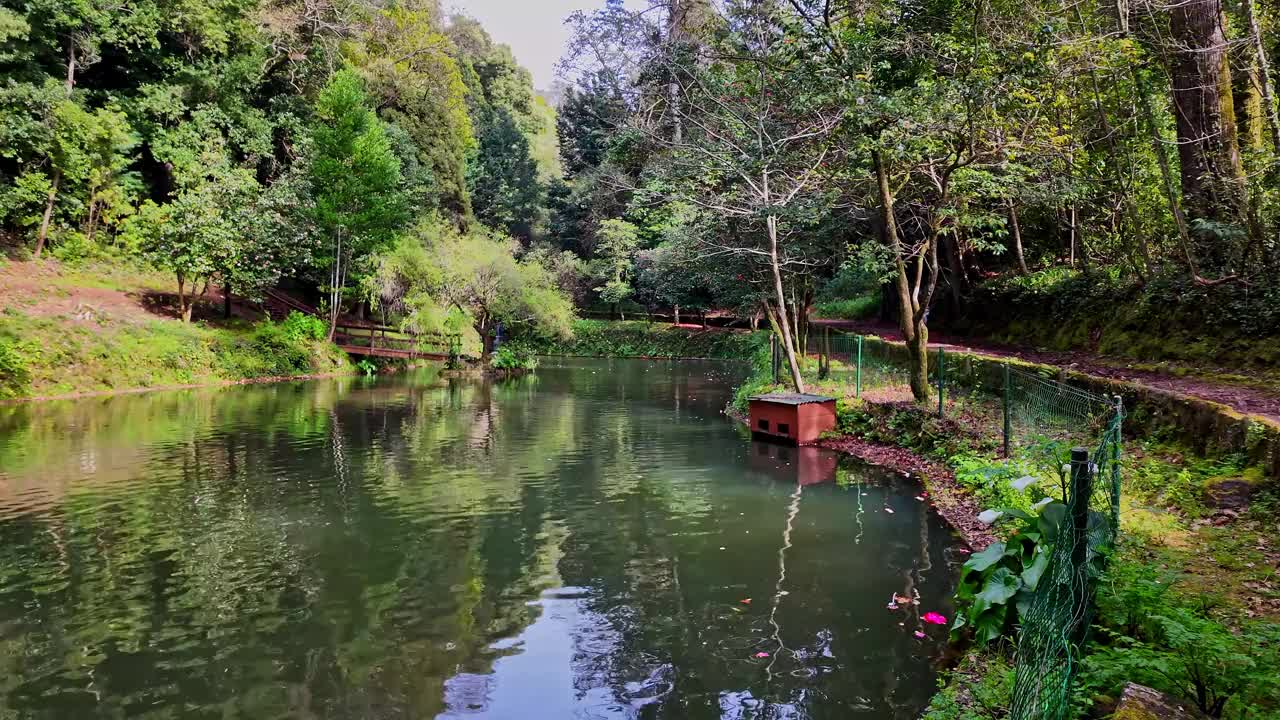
column 784, row 429
column 763, row 424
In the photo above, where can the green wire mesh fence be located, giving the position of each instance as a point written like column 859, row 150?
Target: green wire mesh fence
column 866, row 362
column 1047, row 427
column 1055, row 627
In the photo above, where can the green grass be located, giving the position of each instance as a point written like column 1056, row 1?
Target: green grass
column 863, row 307
column 608, row 338
column 54, row 355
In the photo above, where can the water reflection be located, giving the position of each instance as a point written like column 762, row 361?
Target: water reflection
column 592, row 541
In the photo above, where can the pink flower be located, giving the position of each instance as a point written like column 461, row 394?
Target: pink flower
column 919, row 634
column 762, row 654
column 934, row 618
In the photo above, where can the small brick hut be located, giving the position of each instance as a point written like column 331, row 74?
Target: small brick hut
column 793, row 418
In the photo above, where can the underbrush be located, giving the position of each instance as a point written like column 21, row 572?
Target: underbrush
column 1150, row 633
column 607, row 338
column 58, row 355
column 1169, row 318
column 862, row 307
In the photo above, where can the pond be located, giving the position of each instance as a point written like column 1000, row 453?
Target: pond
column 596, row 540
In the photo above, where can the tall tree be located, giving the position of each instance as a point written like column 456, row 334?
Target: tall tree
column 357, row 202
column 1214, row 191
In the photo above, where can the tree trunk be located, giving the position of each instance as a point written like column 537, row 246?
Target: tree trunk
column 911, row 321
column 1213, row 184
column 184, row 303
column 92, row 223
column 1264, row 75
column 226, row 300
column 336, row 280
column 677, row 314
column 1015, row 230
column 48, row 213
column 788, row 344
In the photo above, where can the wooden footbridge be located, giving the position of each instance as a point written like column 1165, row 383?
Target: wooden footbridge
column 383, row 341
column 370, row 339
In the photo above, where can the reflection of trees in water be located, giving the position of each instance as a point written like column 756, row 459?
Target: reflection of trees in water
column 342, row 549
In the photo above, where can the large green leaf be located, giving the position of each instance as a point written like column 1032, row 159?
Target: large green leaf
column 1022, row 601
column 998, row 589
column 990, row 625
column 1031, row 575
column 1051, row 518
column 985, row 559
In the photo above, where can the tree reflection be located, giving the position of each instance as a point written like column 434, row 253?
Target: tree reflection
column 390, row 548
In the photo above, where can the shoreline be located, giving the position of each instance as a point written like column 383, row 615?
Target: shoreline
column 951, row 503
column 956, row 507
column 87, row 394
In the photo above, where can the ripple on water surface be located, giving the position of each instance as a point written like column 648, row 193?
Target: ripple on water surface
column 596, row 540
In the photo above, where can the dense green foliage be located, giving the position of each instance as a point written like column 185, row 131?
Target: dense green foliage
column 633, row 338
column 954, row 152
column 250, row 140
column 1150, row 634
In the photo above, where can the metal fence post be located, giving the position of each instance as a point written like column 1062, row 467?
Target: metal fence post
column 942, row 377
column 1081, row 494
column 1008, row 404
column 858, row 374
column 1115, row 466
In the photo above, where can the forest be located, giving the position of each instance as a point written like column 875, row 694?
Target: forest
column 935, row 160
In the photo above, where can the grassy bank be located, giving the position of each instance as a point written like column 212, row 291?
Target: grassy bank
column 637, row 338
column 1190, row 600
column 43, row 356
column 68, row 330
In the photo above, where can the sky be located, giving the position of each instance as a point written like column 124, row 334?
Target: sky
column 534, row 29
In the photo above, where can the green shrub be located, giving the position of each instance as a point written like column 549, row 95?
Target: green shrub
column 301, row 326
column 367, row 367
column 862, row 307
column 1191, row 656
column 280, row 350
column 997, row 585
column 608, row 338
column 15, row 377
column 507, row 358
column 991, row 481
column 1147, row 633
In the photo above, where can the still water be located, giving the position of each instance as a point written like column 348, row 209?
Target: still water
column 593, row 541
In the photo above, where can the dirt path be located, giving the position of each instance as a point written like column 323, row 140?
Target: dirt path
column 1263, row 401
